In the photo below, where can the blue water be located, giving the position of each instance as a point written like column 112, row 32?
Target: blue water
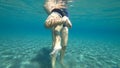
column 94, row 39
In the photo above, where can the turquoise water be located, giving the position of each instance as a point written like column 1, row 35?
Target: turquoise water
column 94, row 39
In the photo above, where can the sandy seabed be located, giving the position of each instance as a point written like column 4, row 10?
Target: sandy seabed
column 34, row 53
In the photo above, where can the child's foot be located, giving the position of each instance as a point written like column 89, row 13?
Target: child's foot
column 63, row 65
column 55, row 50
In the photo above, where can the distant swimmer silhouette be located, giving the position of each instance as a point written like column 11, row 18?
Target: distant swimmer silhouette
column 59, row 22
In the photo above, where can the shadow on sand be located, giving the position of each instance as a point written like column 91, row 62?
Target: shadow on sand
column 43, row 58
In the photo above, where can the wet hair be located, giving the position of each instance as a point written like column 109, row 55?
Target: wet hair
column 65, row 1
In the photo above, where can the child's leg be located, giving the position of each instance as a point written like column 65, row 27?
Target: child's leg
column 56, row 44
column 64, row 40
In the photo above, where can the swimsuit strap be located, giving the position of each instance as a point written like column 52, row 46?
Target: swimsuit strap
column 62, row 11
